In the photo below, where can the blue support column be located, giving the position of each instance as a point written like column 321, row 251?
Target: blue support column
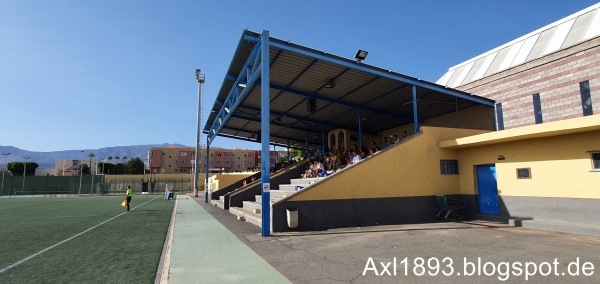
column 360, row 142
column 415, row 116
column 207, row 165
column 265, row 135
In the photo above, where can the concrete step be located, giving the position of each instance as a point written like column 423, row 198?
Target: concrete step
column 252, row 206
column 282, row 193
column 222, row 198
column 291, row 187
column 305, row 180
column 218, row 203
column 247, row 215
column 238, row 212
column 258, row 199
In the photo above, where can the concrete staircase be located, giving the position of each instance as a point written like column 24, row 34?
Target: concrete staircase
column 251, row 210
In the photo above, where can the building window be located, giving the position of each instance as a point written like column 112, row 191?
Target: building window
column 524, row 173
column 596, row 160
column 500, row 116
column 537, row 109
column 183, row 154
column 586, row 98
column 176, row 170
column 449, row 167
column 183, row 170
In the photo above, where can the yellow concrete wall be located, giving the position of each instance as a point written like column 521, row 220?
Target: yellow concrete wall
column 560, row 166
column 409, row 169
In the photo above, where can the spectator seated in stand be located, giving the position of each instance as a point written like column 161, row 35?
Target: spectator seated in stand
column 355, row 157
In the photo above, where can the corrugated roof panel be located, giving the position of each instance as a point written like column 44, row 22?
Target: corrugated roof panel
column 540, row 44
column 594, row 27
column 512, row 53
column 559, row 36
column 578, row 30
column 497, row 61
column 525, row 50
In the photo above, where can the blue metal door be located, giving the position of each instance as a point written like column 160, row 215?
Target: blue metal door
column 488, row 190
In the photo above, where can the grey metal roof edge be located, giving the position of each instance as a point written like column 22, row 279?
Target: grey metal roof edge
column 524, row 37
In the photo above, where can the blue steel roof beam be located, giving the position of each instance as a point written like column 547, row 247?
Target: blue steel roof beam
column 296, row 78
column 229, row 101
column 253, row 140
column 294, row 48
column 347, row 94
column 299, row 118
column 377, row 98
column 379, row 72
column 333, row 100
column 320, row 88
column 278, row 124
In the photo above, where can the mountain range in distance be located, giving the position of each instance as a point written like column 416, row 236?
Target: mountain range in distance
column 48, row 159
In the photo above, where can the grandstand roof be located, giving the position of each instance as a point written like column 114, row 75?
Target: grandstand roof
column 571, row 30
column 383, row 99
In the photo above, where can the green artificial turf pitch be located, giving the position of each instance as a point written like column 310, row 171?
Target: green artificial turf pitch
column 126, row 249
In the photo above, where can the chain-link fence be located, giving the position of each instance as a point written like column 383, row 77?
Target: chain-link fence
column 86, row 185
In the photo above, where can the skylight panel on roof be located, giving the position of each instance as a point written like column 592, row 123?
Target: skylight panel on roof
column 463, row 74
column 454, row 78
column 540, row 44
column 476, row 66
column 594, row 27
column 525, row 50
column 444, row 80
column 485, row 66
column 497, row 61
column 512, row 53
column 559, row 36
column 578, row 29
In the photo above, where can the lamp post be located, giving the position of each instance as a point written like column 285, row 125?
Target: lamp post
column 80, row 171
column 2, row 189
column 200, row 79
column 24, row 171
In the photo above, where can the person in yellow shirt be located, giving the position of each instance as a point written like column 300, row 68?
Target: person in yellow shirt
column 128, row 193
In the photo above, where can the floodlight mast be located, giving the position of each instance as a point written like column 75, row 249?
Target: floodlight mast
column 198, row 154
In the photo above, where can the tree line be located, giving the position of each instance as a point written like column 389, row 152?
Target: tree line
column 134, row 166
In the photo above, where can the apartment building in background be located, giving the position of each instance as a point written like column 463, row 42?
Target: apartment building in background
column 172, row 160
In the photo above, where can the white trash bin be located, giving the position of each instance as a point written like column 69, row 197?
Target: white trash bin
column 292, row 218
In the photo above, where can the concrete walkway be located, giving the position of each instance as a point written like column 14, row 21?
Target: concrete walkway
column 204, row 251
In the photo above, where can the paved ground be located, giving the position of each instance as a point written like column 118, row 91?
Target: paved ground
column 423, row 253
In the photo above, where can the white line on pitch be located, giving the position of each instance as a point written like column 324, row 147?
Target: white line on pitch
column 64, row 241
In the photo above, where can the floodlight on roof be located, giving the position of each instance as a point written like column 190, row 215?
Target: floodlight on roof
column 227, row 109
column 361, row 55
column 330, row 84
column 242, row 85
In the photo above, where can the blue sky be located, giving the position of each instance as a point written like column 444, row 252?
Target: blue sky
column 92, row 74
